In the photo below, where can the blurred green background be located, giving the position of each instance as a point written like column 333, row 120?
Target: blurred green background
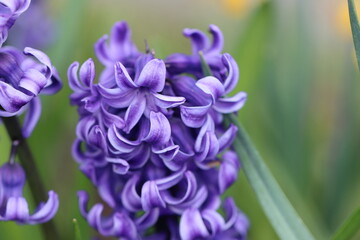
column 297, row 65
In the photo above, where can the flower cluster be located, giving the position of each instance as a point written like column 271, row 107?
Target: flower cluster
column 23, row 76
column 152, row 140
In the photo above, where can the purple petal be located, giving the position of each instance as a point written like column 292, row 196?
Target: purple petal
column 218, row 40
column 231, row 104
column 42, row 57
column 12, row 99
column 54, row 83
column 115, row 97
column 233, row 73
column 84, row 126
column 8, row 114
column 190, row 192
column 32, row 117
column 199, row 41
column 97, row 138
column 102, row 52
column 164, row 101
column 214, row 220
column 212, row 86
column 120, row 166
column 87, row 72
column 153, row 75
column 46, row 211
column 110, row 119
column 150, row 196
column 196, row 202
column 129, row 196
column 138, row 157
column 194, row 117
column 117, row 225
column 83, row 201
column 91, row 103
column 208, row 127
column 228, row 137
column 140, row 63
column 73, row 77
column 134, row 112
column 160, row 131
column 192, row 226
column 185, row 86
column 169, row 181
column 242, row 224
column 122, row 78
column 121, row 44
column 167, row 153
column 33, row 81
column 209, row 149
column 148, row 219
column 231, row 211
column 228, row 171
column 16, row 210
column 178, row 63
column 119, row 142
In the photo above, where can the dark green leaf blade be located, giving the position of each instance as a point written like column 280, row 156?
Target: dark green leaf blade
column 355, row 28
column 283, row 217
column 204, row 66
column 349, row 228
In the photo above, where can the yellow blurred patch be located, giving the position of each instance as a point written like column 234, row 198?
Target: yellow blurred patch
column 236, row 7
column 343, row 19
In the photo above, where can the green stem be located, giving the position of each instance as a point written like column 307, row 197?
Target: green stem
column 32, row 174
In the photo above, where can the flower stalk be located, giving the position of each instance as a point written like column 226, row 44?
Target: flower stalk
column 27, row 161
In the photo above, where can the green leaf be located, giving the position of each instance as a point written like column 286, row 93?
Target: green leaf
column 204, row 66
column 282, row 216
column 355, row 28
column 77, row 230
column 349, row 228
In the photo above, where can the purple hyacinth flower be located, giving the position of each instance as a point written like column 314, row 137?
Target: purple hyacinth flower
column 209, row 92
column 118, row 224
column 180, row 63
column 119, row 48
column 22, row 78
column 209, row 224
column 13, row 206
column 85, row 92
column 10, row 10
column 151, row 139
column 140, row 96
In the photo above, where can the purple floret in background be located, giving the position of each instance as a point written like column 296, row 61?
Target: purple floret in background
column 13, row 206
column 10, row 10
column 23, row 76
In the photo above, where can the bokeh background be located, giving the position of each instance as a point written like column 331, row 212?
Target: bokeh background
column 297, row 64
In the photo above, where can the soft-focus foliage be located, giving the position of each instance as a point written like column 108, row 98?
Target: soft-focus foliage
column 296, row 65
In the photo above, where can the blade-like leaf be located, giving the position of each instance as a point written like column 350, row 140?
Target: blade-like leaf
column 283, row 217
column 77, row 230
column 355, row 28
column 349, row 228
column 204, row 66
